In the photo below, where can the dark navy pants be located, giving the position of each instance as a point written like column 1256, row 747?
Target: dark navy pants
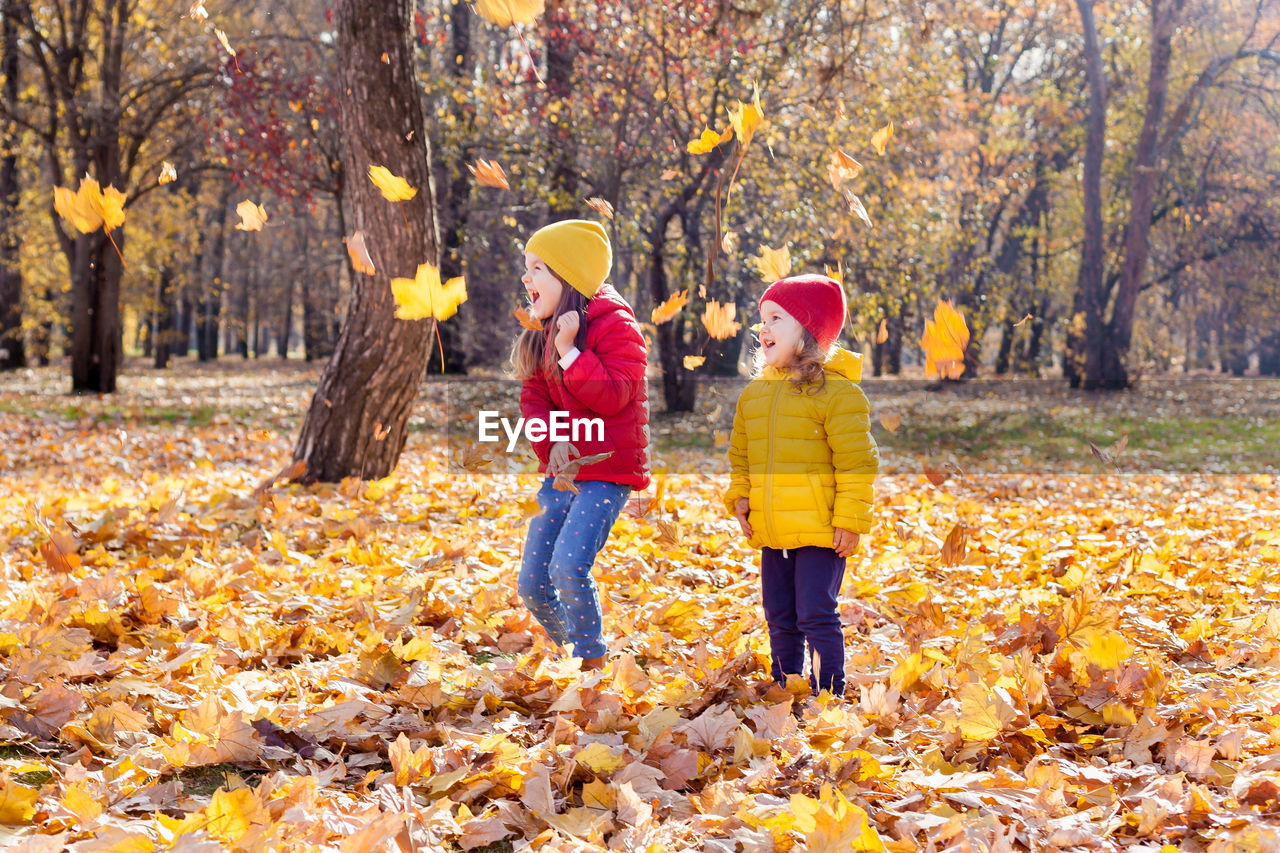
column 800, row 587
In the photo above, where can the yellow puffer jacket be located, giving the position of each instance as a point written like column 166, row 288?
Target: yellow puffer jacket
column 806, row 461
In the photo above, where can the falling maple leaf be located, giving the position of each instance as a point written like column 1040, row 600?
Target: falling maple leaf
column 670, row 175
column 424, row 296
column 1023, row 320
column 708, row 141
column 746, row 118
column 600, row 206
column 729, row 242
column 358, row 251
column 953, row 547
column 773, row 264
column 842, row 168
column 891, row 422
column 881, row 138
column 168, row 173
column 692, row 361
column 222, row 39
column 527, row 320
column 393, row 187
column 90, row 207
column 489, row 174
column 855, row 204
column 882, row 332
column 671, row 307
column 564, row 479
column 506, row 13
column 252, row 216
column 944, row 341
column 718, row 320
column 197, row 12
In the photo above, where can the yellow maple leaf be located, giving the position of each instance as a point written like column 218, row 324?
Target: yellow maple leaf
column 17, row 802
column 424, row 296
column 944, row 341
column 773, row 264
column 90, row 207
column 252, row 216
column 708, row 141
column 908, row 671
column 881, row 138
column 746, row 118
column 840, row 825
column 231, row 814
column 168, row 173
column 718, row 320
column 671, row 307
column 393, row 187
column 1105, row 649
column 983, row 713
column 408, row 764
column 599, row 759
column 505, row 13
column 693, row 361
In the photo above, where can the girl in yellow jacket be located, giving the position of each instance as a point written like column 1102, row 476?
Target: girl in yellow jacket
column 803, row 472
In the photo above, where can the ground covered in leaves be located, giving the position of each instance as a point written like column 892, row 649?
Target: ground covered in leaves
column 1042, row 655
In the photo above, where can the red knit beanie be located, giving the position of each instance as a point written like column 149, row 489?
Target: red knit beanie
column 817, row 303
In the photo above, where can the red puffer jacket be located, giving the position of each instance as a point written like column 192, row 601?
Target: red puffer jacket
column 606, row 381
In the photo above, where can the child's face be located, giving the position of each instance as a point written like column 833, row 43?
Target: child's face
column 544, row 289
column 780, row 335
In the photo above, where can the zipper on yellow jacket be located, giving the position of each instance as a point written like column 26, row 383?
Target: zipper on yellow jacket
column 768, row 469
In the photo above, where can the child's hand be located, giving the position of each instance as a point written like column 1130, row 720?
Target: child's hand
column 561, row 453
column 741, row 510
column 566, row 331
column 846, row 542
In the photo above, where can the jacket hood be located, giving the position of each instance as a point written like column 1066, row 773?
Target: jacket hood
column 606, row 301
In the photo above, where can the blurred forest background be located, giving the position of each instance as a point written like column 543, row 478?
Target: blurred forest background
column 1151, row 230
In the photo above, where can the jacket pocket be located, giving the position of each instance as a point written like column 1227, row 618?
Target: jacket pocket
column 822, row 505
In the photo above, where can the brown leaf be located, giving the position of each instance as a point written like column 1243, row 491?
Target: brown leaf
column 600, row 206
column 358, row 251
column 564, row 480
column 953, row 549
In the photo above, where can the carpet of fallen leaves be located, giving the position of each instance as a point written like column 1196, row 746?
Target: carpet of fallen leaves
column 197, row 656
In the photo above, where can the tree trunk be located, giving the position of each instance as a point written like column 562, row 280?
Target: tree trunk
column 209, row 321
column 1112, row 373
column 358, row 421
column 561, row 50
column 286, row 318
column 241, row 308
column 13, row 352
column 1083, row 358
column 166, row 328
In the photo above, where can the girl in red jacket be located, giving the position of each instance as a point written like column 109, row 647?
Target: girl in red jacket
column 587, row 365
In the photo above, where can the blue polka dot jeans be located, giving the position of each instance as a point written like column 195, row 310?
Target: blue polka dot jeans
column 555, row 573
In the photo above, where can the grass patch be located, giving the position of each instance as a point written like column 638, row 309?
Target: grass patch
column 203, row 781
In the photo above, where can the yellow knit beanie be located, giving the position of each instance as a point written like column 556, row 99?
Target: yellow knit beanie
column 577, row 250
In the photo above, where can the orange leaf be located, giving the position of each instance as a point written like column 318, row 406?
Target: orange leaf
column 944, row 341
column 671, row 307
column 359, row 254
column 842, row 168
column 527, row 320
column 600, row 206
column 489, row 174
column 718, row 320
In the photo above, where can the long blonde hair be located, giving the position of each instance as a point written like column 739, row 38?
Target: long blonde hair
column 532, row 351
column 806, row 369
